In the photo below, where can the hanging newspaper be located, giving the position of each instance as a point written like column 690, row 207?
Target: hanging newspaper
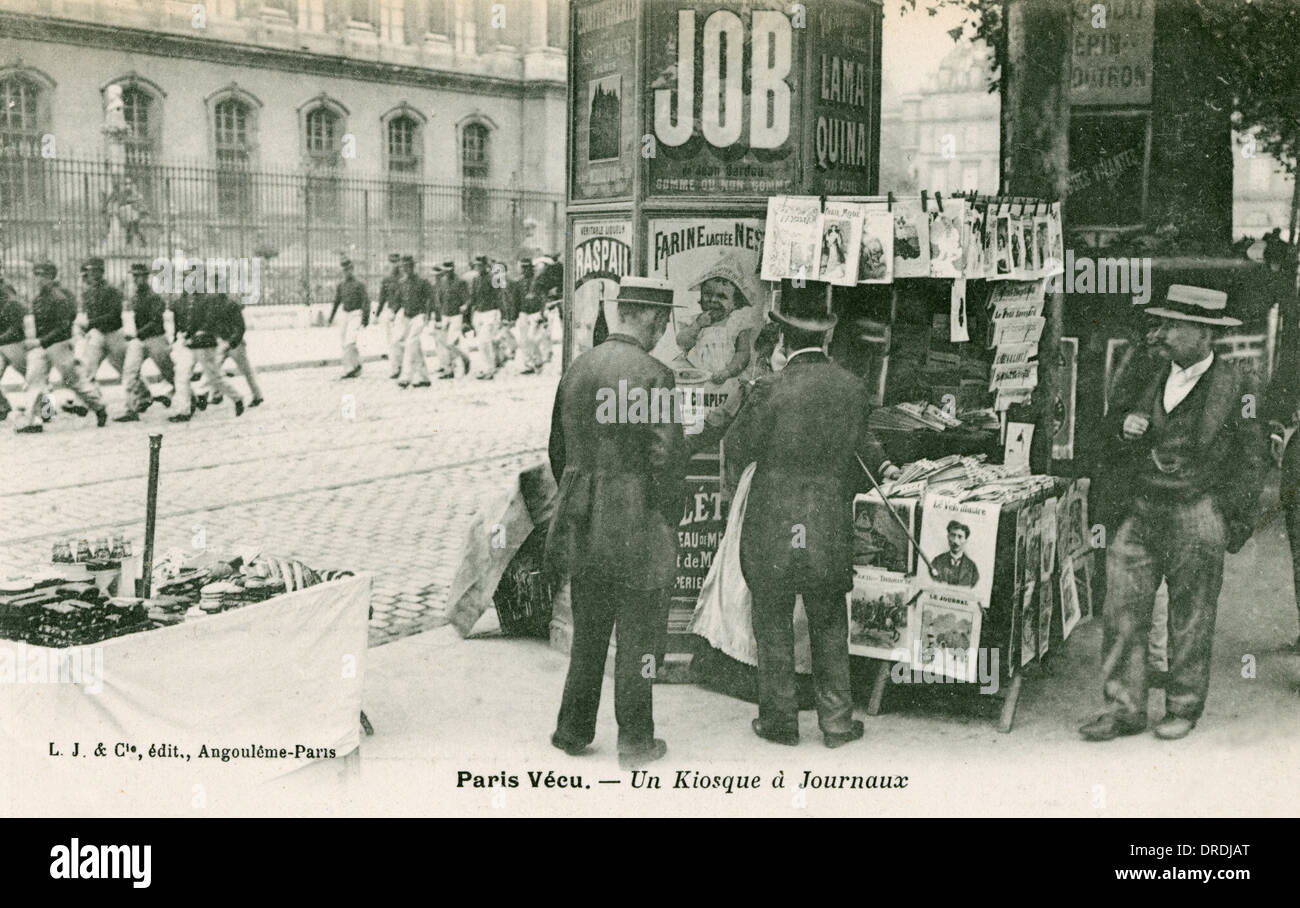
column 792, row 243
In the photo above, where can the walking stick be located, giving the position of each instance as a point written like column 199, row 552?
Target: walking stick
column 150, row 514
column 892, row 513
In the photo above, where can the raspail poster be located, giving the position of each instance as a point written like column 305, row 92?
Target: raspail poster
column 880, row 615
column 841, row 232
column 911, row 239
column 602, row 256
column 947, row 222
column 720, row 304
column 876, row 257
column 723, row 98
column 947, row 635
column 960, row 540
column 879, row 538
column 603, row 66
column 1064, row 407
column 793, row 240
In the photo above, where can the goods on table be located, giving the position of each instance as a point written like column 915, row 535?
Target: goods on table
column 50, row 609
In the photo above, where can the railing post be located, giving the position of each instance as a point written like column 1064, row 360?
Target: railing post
column 306, row 238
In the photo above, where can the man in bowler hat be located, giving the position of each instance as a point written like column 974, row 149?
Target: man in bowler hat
column 613, row 532
column 809, row 423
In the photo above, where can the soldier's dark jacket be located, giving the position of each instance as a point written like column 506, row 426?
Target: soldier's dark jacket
column 103, row 303
column 149, row 308
column 415, row 296
column 350, row 294
column 54, row 311
column 11, row 320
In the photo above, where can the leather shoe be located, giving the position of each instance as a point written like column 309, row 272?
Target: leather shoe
column 256, row 401
column 101, row 418
column 572, row 748
column 29, row 430
column 164, row 399
column 179, row 417
column 1171, row 728
column 239, row 407
column 635, row 759
column 1109, row 726
column 788, row 736
column 200, row 401
column 840, row 738
column 75, row 409
column 128, row 416
column 421, row 384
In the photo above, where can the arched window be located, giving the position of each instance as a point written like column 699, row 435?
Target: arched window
column 323, row 136
column 19, row 112
column 474, row 160
column 404, row 145
column 141, row 137
column 233, row 129
column 24, row 116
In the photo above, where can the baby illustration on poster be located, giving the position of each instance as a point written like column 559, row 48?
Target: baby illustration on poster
column 720, row 306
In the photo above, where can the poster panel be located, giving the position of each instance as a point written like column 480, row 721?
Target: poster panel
column 602, row 255
column 880, row 617
column 878, row 539
column 720, row 304
column 1064, row 407
column 722, row 122
column 842, row 137
column 605, row 134
column 947, row 635
column 1111, row 52
column 960, row 540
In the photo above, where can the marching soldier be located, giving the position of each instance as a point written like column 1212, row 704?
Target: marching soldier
column 529, row 305
column 400, row 321
column 13, row 352
column 54, row 312
column 415, row 297
column 351, row 295
column 229, row 326
column 196, row 343
column 449, row 295
column 387, row 309
column 150, row 341
column 507, row 343
column 485, row 313
column 105, row 337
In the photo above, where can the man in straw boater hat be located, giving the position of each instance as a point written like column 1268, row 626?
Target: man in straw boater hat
column 1190, row 447
column 810, row 423
column 620, row 469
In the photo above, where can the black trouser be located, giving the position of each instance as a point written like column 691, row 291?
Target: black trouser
column 828, row 631
column 641, row 619
column 1290, row 495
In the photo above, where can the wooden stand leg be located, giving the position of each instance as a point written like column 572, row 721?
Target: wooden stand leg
column 1009, row 704
column 878, row 687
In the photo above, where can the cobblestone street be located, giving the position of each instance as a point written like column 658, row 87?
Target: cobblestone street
column 384, row 480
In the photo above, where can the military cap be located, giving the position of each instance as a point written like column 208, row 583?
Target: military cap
column 44, row 268
column 408, row 260
column 345, row 262
column 394, row 258
column 449, row 265
column 140, row 268
column 94, row 263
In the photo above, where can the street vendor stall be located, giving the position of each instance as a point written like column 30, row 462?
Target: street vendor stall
column 187, row 661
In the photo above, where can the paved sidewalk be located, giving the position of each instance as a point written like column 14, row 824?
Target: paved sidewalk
column 352, row 474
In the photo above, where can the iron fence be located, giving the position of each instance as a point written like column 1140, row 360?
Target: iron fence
column 296, row 222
